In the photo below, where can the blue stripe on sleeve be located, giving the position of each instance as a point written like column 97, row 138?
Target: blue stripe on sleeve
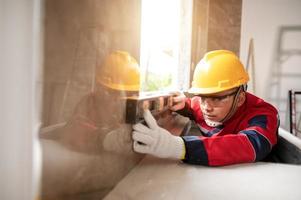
column 260, row 143
column 259, row 120
column 195, row 150
column 214, row 131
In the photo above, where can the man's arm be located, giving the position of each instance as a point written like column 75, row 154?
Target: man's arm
column 253, row 143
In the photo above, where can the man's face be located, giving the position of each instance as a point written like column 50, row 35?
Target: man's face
column 216, row 106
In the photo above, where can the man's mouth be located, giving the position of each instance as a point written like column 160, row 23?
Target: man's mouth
column 207, row 116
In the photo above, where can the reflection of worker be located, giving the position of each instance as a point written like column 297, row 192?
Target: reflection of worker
column 236, row 126
column 102, row 112
column 97, row 146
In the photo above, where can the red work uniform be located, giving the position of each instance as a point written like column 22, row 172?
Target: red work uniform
column 248, row 136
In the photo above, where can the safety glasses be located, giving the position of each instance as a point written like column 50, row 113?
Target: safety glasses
column 217, row 100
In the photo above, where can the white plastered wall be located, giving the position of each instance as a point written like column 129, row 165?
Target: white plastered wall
column 262, row 20
column 20, row 61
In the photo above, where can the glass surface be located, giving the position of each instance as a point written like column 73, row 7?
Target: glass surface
column 86, row 144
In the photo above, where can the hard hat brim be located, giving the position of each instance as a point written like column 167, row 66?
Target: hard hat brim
column 194, row 90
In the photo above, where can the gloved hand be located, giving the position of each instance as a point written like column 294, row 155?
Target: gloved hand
column 154, row 140
column 178, row 102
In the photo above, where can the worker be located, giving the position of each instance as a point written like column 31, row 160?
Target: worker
column 236, row 126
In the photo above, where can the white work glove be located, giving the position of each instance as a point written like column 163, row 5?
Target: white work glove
column 154, row 140
column 178, row 102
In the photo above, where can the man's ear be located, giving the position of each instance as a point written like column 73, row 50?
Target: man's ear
column 241, row 99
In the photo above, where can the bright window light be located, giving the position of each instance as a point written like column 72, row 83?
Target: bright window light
column 160, row 39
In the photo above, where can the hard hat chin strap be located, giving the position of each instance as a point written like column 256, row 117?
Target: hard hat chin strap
column 213, row 123
column 233, row 107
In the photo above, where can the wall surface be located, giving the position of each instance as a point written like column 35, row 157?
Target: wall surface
column 224, row 25
column 78, row 35
column 216, row 25
column 20, row 47
column 87, row 146
column 264, row 21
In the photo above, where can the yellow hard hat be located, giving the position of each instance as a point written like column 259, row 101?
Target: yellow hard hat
column 120, row 71
column 218, row 71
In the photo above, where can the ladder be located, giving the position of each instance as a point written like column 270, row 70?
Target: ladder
column 283, row 79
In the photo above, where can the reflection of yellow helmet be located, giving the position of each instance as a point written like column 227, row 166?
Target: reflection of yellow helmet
column 218, row 71
column 120, row 71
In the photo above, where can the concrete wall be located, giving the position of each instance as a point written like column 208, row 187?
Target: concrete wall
column 216, row 25
column 224, row 25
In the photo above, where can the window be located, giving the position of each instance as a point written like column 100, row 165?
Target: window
column 165, row 44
